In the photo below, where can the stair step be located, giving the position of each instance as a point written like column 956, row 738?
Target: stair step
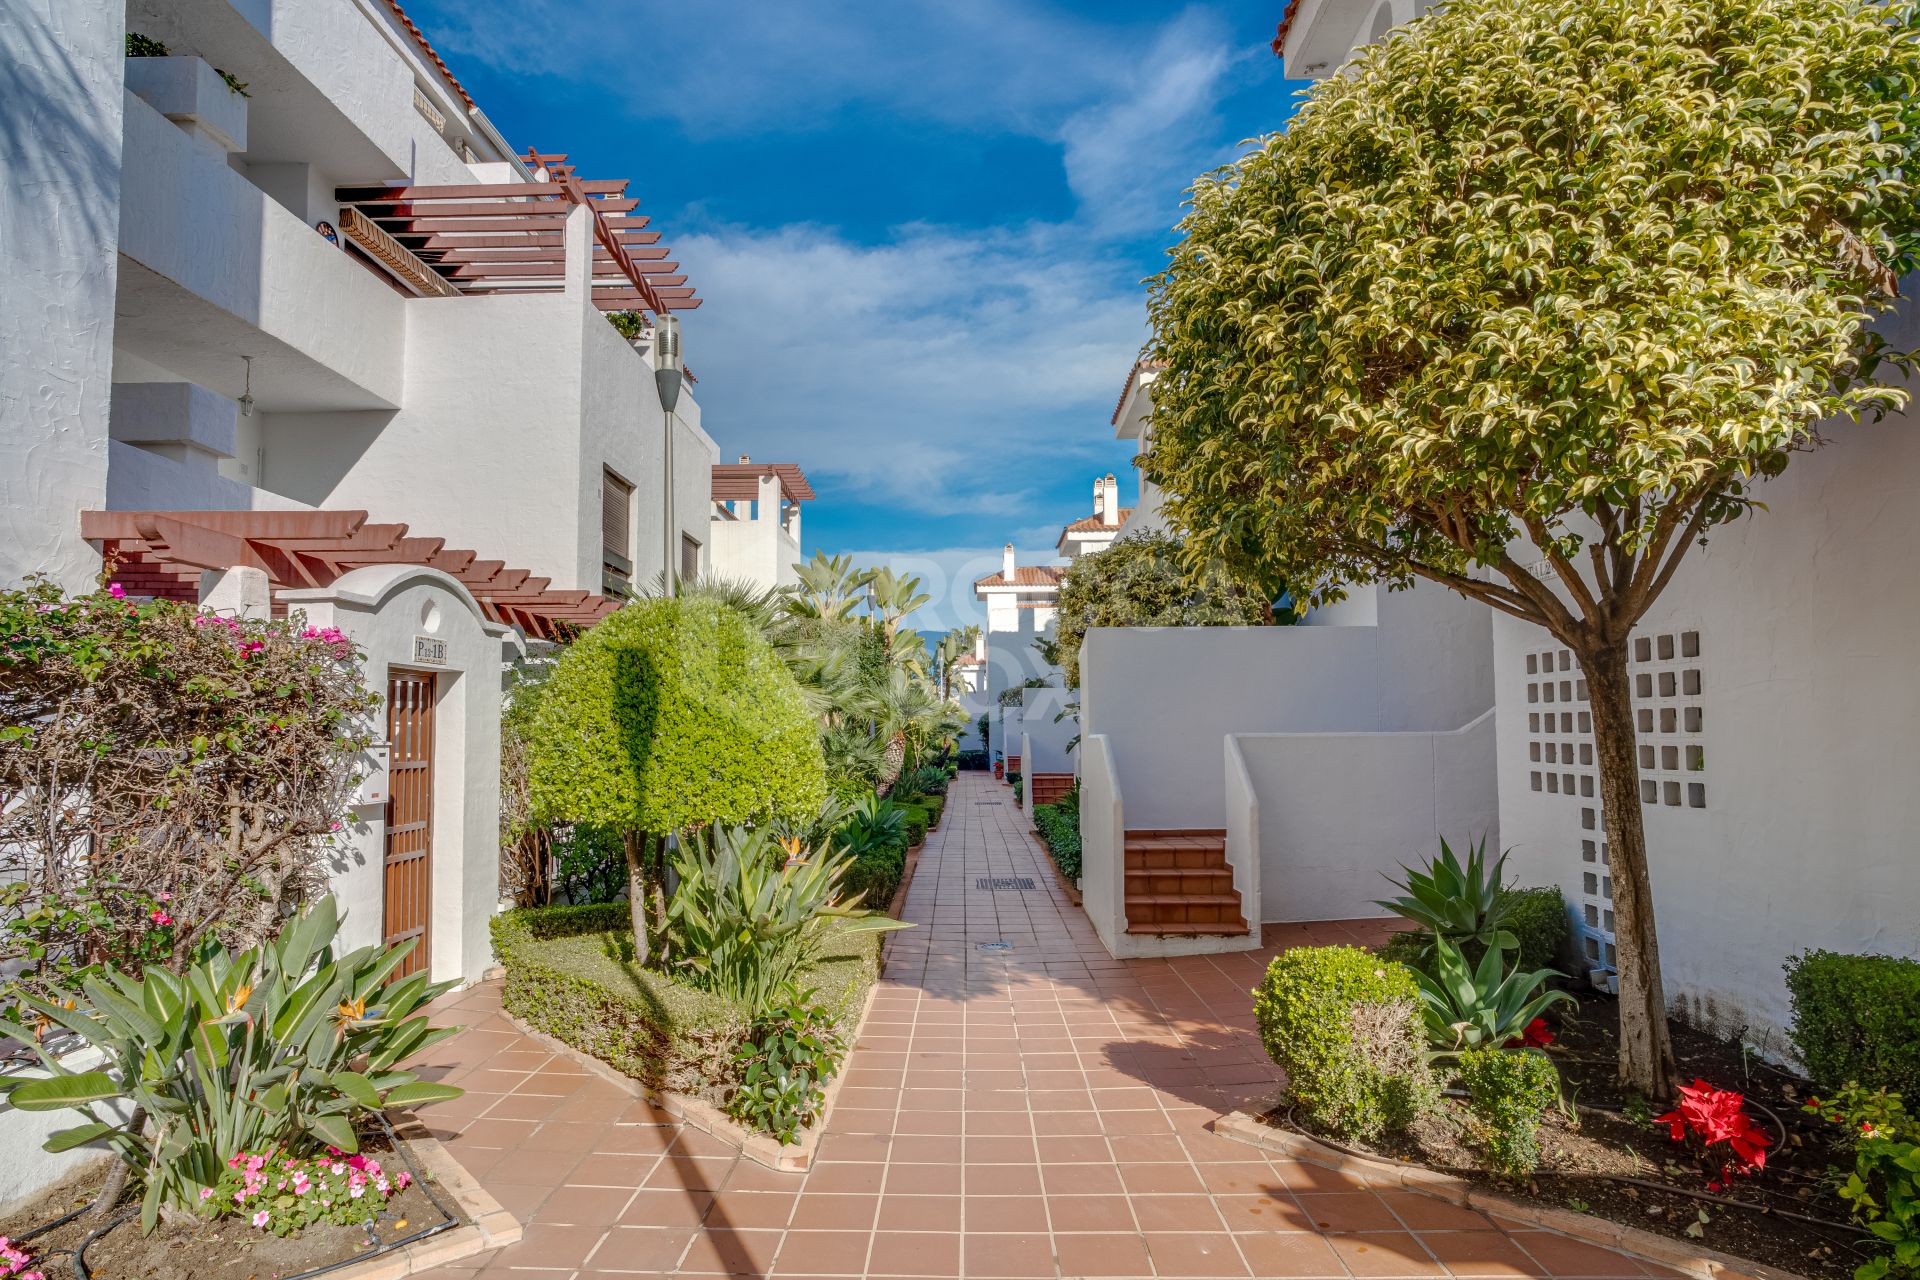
column 1183, row 899
column 1176, row 859
column 1225, row 930
column 1179, row 880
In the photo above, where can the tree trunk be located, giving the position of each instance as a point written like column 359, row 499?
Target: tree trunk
column 634, row 844
column 1646, row 1048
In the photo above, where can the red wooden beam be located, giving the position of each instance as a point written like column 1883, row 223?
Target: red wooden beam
column 465, row 191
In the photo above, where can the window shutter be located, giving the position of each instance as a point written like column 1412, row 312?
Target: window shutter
column 616, row 502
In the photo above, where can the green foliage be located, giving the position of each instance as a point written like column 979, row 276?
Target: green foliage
column 790, row 1053
column 874, row 833
column 1536, row 918
column 1139, row 581
column 746, row 919
column 628, row 324
column 974, row 760
column 1455, row 902
column 277, row 1046
column 1411, row 344
column 297, row 1192
column 139, row 46
column 928, row 780
column 565, row 977
column 1345, row 1027
column 1465, row 1008
column 1059, row 828
column 1857, row 1017
column 668, row 715
column 1508, row 1090
column 1883, row 1187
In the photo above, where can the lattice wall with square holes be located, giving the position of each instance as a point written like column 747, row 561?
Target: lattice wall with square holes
column 1668, row 677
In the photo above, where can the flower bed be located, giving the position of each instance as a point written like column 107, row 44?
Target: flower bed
column 565, row 975
column 1617, row 1158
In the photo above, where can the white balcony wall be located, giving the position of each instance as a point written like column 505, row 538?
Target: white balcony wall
column 1047, row 738
column 60, row 135
column 190, row 220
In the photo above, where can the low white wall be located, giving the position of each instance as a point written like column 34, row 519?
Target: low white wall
column 1164, row 697
column 1339, row 812
column 1243, row 833
column 1103, row 828
column 1046, row 737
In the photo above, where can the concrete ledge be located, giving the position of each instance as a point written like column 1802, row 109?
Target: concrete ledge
column 1681, row 1255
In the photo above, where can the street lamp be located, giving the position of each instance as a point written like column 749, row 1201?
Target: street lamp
column 668, row 376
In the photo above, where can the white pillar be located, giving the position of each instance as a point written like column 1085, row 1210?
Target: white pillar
column 239, row 592
column 1007, row 565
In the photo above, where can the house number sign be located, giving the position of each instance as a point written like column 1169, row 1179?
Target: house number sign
column 428, row 650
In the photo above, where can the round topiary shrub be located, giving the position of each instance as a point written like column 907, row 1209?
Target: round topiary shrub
column 1345, row 1027
column 667, row 716
column 1508, row 1090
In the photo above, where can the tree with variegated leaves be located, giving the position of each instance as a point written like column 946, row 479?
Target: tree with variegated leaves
column 1528, row 300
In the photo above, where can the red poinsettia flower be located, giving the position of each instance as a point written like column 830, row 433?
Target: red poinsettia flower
column 1536, row 1036
column 1709, row 1118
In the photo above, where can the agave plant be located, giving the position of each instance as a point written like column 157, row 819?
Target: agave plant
column 1486, row 1005
column 1456, row 902
column 280, row 1045
column 747, row 917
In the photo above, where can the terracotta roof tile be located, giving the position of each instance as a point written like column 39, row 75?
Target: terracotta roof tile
column 1279, row 45
column 1026, row 575
column 1089, row 523
column 420, row 38
column 1133, row 374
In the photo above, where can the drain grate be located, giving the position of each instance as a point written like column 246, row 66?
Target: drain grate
column 993, row 946
column 1019, row 884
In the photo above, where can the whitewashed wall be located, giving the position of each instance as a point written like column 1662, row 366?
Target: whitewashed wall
column 1807, row 740
column 1046, row 739
column 1337, row 810
column 60, row 136
column 1164, row 697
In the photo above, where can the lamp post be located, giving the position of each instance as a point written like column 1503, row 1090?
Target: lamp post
column 668, row 375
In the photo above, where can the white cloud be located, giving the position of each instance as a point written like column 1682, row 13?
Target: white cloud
column 947, row 371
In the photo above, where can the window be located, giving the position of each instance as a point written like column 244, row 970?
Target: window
column 616, row 534
column 689, row 558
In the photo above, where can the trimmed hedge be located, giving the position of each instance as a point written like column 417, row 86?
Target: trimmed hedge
column 876, row 875
column 1345, row 1026
column 1059, row 828
column 564, row 978
column 1536, row 917
column 1857, row 1018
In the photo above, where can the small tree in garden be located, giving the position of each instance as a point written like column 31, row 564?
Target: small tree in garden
column 1140, row 581
column 166, row 777
column 667, row 717
column 1525, row 303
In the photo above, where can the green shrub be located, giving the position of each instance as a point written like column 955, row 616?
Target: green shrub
column 875, row 874
column 1536, row 918
column 1059, row 828
column 917, row 822
column 1484, row 1005
column 974, row 760
column 1857, row 1018
column 1508, row 1090
column 567, row 975
column 1345, row 1027
column 790, row 1053
column 1883, row 1186
column 277, row 1046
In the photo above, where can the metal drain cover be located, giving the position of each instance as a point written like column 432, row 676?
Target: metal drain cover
column 1020, row 883
column 993, row 946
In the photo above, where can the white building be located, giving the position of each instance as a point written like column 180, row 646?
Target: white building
column 1097, row 531
column 1133, row 421
column 1778, row 716
column 289, row 325
column 1022, row 602
column 755, row 529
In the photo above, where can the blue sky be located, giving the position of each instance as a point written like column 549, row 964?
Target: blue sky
column 920, row 226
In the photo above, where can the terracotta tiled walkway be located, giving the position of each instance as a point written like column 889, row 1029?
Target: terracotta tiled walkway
column 1038, row 1111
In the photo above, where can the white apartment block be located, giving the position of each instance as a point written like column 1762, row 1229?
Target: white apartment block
column 755, row 528
column 289, row 325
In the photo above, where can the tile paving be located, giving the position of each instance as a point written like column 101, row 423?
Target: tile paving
column 1026, row 1114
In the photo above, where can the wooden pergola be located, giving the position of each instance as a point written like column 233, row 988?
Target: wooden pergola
column 511, row 238
column 740, row 481
column 162, row 554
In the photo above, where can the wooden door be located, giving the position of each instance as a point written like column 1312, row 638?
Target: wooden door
column 409, row 855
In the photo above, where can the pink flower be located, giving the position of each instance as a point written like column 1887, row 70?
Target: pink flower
column 206, row 1193
column 117, row 591
column 160, row 917
column 402, row 1180
column 260, row 1218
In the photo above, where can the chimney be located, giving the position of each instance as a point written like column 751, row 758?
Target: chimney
column 744, row 458
column 1099, row 498
column 1107, row 507
column 1006, row 562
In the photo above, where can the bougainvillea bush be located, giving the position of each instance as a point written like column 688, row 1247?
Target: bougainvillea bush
column 283, row 1194
column 16, row 1263
column 167, row 776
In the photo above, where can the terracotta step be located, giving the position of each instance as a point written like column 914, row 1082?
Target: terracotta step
column 1179, row 880
column 1181, row 859
column 1187, row 930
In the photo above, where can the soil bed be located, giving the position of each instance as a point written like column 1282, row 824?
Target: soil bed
column 225, row 1248
column 1611, row 1136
